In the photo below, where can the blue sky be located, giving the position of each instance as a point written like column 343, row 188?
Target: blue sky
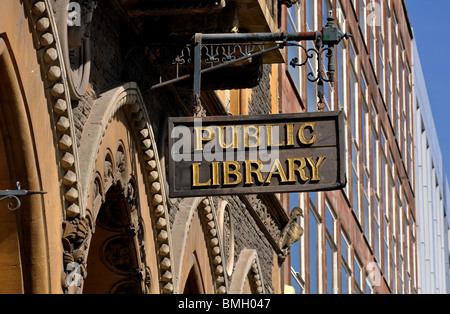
column 430, row 21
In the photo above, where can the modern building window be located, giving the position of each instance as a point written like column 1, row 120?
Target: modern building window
column 362, row 19
column 376, row 229
column 340, row 52
column 331, row 248
column 389, row 89
column 355, row 186
column 345, row 268
column 309, row 11
column 346, row 277
column 354, row 130
column 381, row 64
column 331, row 251
column 358, row 275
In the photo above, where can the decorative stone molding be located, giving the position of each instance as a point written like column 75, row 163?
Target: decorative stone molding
column 247, row 268
column 265, row 215
column 209, row 223
column 226, row 221
column 50, row 56
column 123, row 253
column 215, row 249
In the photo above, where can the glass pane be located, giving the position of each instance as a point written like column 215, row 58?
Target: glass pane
column 309, row 14
column 340, row 76
column 313, row 253
column 344, row 288
column 330, row 269
column 329, row 220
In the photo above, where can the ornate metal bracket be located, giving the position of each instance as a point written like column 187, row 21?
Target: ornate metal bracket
column 320, row 76
column 15, row 194
column 330, row 36
column 216, row 51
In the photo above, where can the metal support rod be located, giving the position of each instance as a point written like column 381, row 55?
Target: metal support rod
column 198, row 107
column 197, row 65
column 15, row 194
column 230, row 38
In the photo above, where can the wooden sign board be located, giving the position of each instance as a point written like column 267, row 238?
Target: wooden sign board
column 283, row 153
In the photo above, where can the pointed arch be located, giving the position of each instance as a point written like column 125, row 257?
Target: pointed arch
column 194, row 282
column 248, row 274
column 197, row 218
column 25, row 266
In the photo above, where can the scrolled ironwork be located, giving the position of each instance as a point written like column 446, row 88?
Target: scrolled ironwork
column 184, row 57
column 14, row 195
column 214, row 54
column 310, row 53
column 11, row 207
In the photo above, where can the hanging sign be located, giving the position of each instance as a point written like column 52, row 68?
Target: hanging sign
column 283, row 153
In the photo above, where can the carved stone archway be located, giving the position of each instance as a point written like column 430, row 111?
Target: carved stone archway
column 118, row 144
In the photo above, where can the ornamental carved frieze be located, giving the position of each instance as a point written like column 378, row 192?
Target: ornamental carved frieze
column 265, row 215
column 76, row 237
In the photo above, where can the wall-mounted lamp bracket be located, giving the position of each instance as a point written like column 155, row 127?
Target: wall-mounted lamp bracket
column 215, row 51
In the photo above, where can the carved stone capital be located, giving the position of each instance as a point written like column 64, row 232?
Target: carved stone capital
column 75, row 239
